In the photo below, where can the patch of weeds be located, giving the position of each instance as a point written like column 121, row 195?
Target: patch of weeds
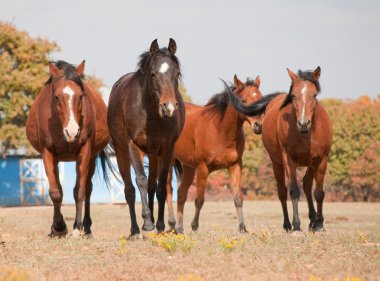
column 230, row 244
column 171, row 242
column 122, row 247
column 363, row 237
column 347, row 278
column 262, row 235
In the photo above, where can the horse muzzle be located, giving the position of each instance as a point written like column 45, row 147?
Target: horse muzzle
column 304, row 126
column 257, row 128
column 71, row 135
column 167, row 110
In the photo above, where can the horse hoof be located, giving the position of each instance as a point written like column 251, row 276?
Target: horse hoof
column 148, row 227
column 179, row 230
column 242, row 229
column 76, row 233
column 160, row 227
column 55, row 233
column 135, row 237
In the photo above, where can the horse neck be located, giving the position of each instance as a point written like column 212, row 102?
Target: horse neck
column 232, row 124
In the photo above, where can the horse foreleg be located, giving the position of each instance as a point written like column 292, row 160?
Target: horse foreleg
column 152, row 183
column 187, row 180
column 83, row 167
column 169, row 190
column 235, row 172
column 319, row 194
column 142, row 182
column 161, row 190
column 279, row 174
column 307, row 187
column 202, row 174
column 294, row 195
column 58, row 227
column 87, row 222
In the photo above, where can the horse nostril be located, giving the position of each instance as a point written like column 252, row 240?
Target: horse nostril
column 67, row 132
column 176, row 105
column 308, row 122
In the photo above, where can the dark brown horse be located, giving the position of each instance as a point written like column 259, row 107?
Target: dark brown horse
column 213, row 139
column 68, row 122
column 146, row 116
column 297, row 132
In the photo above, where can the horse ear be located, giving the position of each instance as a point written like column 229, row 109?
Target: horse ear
column 53, row 70
column 317, row 73
column 238, row 84
column 172, row 46
column 80, row 69
column 257, row 81
column 154, row 47
column 292, row 75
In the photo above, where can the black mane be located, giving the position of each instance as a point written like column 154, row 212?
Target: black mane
column 145, row 58
column 218, row 103
column 304, row 75
column 69, row 71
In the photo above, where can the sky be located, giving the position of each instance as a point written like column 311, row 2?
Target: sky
column 216, row 39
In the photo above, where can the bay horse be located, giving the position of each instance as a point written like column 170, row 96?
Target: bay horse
column 212, row 139
column 68, row 122
column 146, row 116
column 297, row 132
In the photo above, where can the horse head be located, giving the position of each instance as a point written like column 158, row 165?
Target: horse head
column 303, row 95
column 162, row 72
column 68, row 94
column 248, row 93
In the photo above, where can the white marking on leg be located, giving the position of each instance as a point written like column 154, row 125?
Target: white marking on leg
column 72, row 126
column 164, row 67
column 303, row 92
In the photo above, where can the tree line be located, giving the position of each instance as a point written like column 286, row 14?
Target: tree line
column 354, row 164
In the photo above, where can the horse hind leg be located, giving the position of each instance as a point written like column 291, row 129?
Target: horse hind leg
column 87, row 222
column 202, row 173
column 124, row 164
column 279, row 174
column 307, row 187
column 319, row 195
column 142, row 183
column 187, row 180
column 169, row 201
column 152, row 183
column 235, row 172
column 82, row 169
column 58, row 228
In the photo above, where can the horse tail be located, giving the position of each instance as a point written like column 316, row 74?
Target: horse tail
column 107, row 166
column 255, row 109
column 178, row 170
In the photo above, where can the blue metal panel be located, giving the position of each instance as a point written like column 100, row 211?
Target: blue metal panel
column 10, row 194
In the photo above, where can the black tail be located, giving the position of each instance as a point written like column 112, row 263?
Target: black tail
column 255, row 109
column 107, row 166
column 178, row 170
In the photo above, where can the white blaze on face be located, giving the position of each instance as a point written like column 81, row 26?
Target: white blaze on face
column 72, row 128
column 164, row 67
column 303, row 92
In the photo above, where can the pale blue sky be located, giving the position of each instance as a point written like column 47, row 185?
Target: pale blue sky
column 217, row 39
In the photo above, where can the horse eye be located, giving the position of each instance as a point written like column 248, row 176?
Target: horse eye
column 56, row 97
column 293, row 97
column 315, row 97
column 178, row 75
column 154, row 75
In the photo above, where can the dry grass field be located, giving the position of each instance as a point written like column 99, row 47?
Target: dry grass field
column 349, row 249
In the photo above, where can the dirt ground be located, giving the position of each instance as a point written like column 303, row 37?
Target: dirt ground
column 349, row 249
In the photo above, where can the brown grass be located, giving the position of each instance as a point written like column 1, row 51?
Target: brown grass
column 348, row 250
